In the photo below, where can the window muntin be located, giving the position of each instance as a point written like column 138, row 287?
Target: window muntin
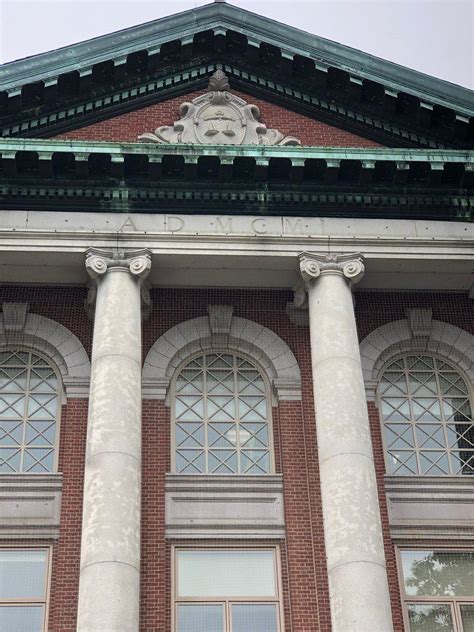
column 224, row 590
column 222, row 417
column 24, row 576
column 28, row 413
column 438, row 590
column 428, row 428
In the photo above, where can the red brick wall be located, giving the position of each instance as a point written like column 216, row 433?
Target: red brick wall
column 66, row 554
column 303, row 559
column 66, row 306
column 305, row 589
column 374, row 309
column 127, row 127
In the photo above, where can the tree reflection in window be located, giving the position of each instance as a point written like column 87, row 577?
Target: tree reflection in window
column 446, row 577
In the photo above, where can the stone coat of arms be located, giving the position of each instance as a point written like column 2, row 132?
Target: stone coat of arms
column 219, row 118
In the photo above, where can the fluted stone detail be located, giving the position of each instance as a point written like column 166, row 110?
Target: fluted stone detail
column 110, row 550
column 358, row 585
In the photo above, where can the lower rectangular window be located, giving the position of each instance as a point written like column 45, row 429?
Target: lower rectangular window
column 438, row 590
column 24, row 580
column 226, row 590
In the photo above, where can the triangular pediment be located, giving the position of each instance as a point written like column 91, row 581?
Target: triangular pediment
column 144, row 123
column 92, row 81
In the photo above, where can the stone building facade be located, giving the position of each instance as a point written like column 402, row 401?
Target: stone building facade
column 237, row 352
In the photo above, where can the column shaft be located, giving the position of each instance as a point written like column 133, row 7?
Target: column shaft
column 358, row 584
column 110, row 551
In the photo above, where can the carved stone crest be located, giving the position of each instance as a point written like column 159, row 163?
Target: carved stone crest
column 220, row 118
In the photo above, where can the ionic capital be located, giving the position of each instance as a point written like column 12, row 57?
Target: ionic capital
column 137, row 262
column 350, row 266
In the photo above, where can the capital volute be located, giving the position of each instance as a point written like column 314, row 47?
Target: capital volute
column 137, row 262
column 350, row 266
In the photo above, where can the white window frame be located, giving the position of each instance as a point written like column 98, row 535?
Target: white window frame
column 47, row 583
column 269, row 401
column 419, row 352
column 60, row 401
column 227, row 601
column 453, row 602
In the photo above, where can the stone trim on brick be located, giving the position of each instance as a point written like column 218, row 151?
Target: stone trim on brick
column 452, row 343
column 59, row 344
column 260, row 343
column 213, row 506
column 30, row 505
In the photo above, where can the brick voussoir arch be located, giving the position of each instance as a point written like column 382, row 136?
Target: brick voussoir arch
column 244, row 336
column 59, row 344
column 445, row 340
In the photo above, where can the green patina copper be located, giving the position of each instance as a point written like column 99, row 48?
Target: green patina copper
column 296, row 154
column 220, row 17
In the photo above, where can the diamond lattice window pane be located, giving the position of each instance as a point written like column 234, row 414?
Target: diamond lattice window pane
column 11, row 433
column 430, row 436
column 10, row 460
column 434, row 463
column 255, row 461
column 222, row 461
column 220, row 408
column 12, row 406
column 40, row 433
column 437, row 409
column 254, row 435
column 460, row 435
column 189, row 408
column 190, row 461
column 190, row 435
column 423, row 384
column 463, row 462
column 228, row 395
column 28, row 411
column 38, row 460
column 399, row 436
column 222, row 435
column 401, row 462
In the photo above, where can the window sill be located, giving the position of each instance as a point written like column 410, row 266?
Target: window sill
column 215, row 506
column 434, row 507
column 30, row 506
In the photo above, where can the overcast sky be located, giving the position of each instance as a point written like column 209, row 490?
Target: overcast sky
column 435, row 37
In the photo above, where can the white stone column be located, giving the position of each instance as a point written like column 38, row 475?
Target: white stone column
column 109, row 587
column 358, row 586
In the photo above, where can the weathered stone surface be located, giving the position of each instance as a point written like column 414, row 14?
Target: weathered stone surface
column 358, row 587
column 220, row 118
column 110, row 550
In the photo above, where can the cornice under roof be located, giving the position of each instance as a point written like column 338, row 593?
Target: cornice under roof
column 150, row 36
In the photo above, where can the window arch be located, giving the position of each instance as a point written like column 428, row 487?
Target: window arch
column 426, row 412
column 222, row 416
column 29, row 412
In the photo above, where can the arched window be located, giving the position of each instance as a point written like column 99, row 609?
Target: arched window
column 221, row 417
column 428, row 429
column 29, row 411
